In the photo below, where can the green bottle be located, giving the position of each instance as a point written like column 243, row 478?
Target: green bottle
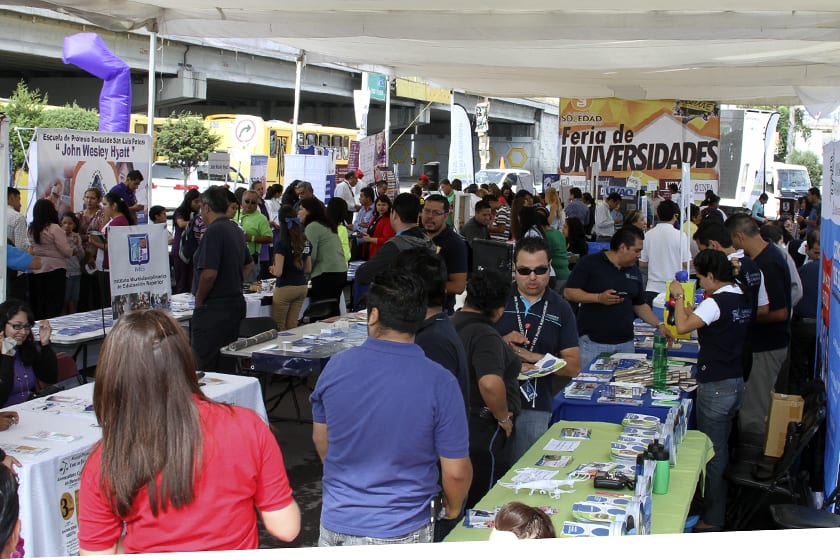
column 660, row 362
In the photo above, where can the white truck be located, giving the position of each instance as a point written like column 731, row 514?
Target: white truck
column 745, row 135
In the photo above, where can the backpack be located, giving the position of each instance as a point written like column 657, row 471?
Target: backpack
column 189, row 242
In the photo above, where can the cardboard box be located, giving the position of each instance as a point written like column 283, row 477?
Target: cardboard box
column 783, row 409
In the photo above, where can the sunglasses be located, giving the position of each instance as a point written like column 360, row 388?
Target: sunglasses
column 249, row 202
column 525, row 271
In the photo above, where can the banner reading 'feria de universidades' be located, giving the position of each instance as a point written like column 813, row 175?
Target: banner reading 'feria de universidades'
column 640, row 144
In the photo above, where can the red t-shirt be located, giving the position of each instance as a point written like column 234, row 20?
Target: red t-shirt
column 242, row 471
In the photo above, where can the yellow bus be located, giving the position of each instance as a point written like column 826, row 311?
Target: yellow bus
column 246, row 135
column 139, row 124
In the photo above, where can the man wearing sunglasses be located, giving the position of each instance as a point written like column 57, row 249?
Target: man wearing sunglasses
column 536, row 322
column 608, row 285
column 256, row 227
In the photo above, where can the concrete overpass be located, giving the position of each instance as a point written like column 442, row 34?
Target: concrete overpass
column 259, row 83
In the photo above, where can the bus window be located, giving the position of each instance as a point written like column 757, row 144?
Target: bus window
column 324, row 140
column 336, row 147
column 140, row 128
column 272, row 143
column 311, row 139
column 301, row 141
column 281, row 158
column 345, row 148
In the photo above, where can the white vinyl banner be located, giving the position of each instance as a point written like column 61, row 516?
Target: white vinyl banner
column 460, row 146
column 139, row 262
column 68, row 162
column 314, row 169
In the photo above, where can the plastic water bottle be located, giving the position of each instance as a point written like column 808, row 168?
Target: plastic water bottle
column 660, row 362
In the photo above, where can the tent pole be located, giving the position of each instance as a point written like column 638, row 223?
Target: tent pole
column 298, row 68
column 387, row 120
column 150, row 126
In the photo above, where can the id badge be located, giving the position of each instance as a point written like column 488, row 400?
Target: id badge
column 528, row 391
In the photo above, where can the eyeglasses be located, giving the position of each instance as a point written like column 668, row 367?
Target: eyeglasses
column 525, row 271
column 431, row 212
column 20, row 326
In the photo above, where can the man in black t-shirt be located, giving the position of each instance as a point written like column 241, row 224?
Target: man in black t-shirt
column 451, row 246
column 770, row 336
column 221, row 263
column 608, row 285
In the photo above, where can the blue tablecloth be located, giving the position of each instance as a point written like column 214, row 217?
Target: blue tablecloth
column 580, row 410
column 598, row 246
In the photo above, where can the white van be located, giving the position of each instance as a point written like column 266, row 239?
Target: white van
column 519, row 178
column 168, row 186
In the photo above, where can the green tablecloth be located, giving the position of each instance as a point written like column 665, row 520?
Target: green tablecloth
column 669, row 510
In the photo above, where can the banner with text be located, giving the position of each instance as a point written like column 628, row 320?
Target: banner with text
column 139, row 260
column 68, row 162
column 828, row 313
column 640, row 142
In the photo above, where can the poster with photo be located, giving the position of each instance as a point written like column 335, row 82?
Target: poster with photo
column 139, row 259
column 65, row 163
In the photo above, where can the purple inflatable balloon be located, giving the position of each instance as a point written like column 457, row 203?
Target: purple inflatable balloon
column 89, row 52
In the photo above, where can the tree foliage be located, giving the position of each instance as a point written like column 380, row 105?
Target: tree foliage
column 812, row 162
column 28, row 109
column 185, row 142
column 782, row 129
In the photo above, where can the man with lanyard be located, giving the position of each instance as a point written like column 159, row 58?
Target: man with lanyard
column 451, row 246
column 345, row 190
column 256, row 227
column 364, row 216
column 536, row 322
column 608, row 287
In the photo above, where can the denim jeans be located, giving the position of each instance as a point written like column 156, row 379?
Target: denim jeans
column 590, row 350
column 717, row 404
column 528, row 427
column 331, row 538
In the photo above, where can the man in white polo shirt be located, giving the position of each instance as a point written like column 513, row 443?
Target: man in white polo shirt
column 665, row 250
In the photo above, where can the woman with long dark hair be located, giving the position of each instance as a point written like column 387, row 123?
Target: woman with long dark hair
column 47, row 284
column 379, row 230
column 337, row 213
column 291, row 264
column 329, row 267
column 116, row 214
column 180, row 219
column 24, row 363
column 9, row 512
column 196, row 485
column 575, row 237
column 722, row 321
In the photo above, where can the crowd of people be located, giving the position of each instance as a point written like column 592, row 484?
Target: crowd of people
column 429, row 410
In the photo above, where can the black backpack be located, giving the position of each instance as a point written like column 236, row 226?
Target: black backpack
column 189, row 242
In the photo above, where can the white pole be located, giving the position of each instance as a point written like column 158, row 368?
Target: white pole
column 298, row 69
column 387, row 120
column 4, row 180
column 150, row 107
column 684, row 205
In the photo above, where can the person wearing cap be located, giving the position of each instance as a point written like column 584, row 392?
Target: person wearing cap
column 423, row 181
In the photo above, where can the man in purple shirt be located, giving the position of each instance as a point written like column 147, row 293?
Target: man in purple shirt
column 126, row 190
column 576, row 208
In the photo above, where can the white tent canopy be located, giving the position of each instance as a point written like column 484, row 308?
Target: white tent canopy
column 738, row 51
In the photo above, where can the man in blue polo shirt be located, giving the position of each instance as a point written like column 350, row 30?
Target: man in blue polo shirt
column 451, row 247
column 384, row 416
column 537, row 321
column 127, row 190
column 608, row 287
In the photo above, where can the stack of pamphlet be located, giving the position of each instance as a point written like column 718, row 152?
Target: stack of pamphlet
column 581, row 390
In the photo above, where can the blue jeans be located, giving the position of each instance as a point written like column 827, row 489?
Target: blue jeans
column 717, row 404
column 528, row 427
column 331, row 538
column 589, row 350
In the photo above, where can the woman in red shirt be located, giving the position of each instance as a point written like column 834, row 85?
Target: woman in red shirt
column 380, row 229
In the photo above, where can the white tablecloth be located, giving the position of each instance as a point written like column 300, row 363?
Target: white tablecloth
column 49, row 481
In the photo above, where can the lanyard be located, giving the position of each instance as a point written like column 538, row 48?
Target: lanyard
column 539, row 327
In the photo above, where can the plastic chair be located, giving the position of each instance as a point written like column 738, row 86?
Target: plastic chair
column 320, row 310
column 754, row 490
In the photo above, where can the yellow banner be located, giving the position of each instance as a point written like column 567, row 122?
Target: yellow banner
column 641, row 143
column 422, row 91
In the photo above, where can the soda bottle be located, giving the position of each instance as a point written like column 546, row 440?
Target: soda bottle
column 660, row 362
